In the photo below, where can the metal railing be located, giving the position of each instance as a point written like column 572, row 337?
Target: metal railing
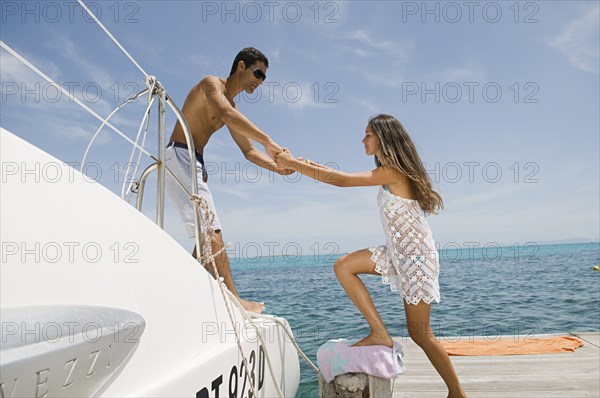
column 159, row 165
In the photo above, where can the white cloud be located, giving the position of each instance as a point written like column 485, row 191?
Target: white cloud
column 101, row 79
column 33, row 93
column 305, row 95
column 152, row 50
column 240, row 192
column 14, row 70
column 502, row 221
column 35, row 102
column 306, row 214
column 390, row 58
column 579, row 41
column 387, row 79
column 370, row 106
column 294, row 94
column 397, row 49
column 21, row 84
column 360, row 52
column 275, row 55
column 464, row 73
column 67, row 48
column 191, row 66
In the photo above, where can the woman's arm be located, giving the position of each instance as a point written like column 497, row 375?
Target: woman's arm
column 379, row 176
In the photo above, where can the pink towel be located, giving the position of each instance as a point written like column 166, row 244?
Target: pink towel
column 337, row 357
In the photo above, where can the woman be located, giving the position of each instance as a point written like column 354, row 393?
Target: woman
column 409, row 260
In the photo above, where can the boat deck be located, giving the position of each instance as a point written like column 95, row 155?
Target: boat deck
column 564, row 375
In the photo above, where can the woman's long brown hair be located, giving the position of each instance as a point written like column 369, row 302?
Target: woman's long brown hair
column 399, row 153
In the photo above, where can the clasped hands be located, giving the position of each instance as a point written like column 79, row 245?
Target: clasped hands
column 284, row 160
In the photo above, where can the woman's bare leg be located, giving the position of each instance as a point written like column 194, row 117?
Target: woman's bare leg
column 347, row 269
column 417, row 321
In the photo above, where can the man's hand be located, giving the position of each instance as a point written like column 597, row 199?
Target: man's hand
column 272, row 149
column 284, row 158
column 282, row 171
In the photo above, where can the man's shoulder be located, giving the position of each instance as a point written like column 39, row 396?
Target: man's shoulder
column 210, row 83
column 211, row 79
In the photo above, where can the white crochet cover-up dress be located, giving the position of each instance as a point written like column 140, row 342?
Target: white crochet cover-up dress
column 409, row 261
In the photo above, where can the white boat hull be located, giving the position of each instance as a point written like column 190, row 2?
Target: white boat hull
column 68, row 241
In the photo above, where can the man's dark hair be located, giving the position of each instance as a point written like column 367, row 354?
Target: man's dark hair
column 250, row 56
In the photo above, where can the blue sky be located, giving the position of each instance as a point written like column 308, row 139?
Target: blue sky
column 501, row 99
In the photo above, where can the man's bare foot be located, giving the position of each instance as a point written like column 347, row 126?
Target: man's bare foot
column 372, row 339
column 252, row 306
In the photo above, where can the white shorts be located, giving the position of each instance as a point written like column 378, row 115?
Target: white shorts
column 177, row 159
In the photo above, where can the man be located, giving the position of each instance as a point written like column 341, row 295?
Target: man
column 208, row 107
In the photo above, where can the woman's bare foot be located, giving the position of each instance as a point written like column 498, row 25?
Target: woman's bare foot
column 252, row 306
column 372, row 339
column 457, row 394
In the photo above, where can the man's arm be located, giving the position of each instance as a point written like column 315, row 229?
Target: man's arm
column 257, row 157
column 234, row 119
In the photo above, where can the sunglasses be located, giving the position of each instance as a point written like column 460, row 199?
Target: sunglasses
column 259, row 74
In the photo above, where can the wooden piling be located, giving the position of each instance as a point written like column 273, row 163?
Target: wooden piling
column 355, row 385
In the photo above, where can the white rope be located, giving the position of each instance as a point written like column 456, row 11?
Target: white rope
column 292, row 339
column 151, row 99
column 206, row 217
column 145, row 119
column 237, row 336
column 262, row 341
column 69, row 95
column 112, row 37
column 118, row 108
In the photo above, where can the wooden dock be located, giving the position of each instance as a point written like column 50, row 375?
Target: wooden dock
column 565, row 375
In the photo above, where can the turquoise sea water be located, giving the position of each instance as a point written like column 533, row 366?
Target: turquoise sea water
column 495, row 291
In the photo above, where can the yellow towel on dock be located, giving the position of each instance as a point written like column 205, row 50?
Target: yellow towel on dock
column 508, row 346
